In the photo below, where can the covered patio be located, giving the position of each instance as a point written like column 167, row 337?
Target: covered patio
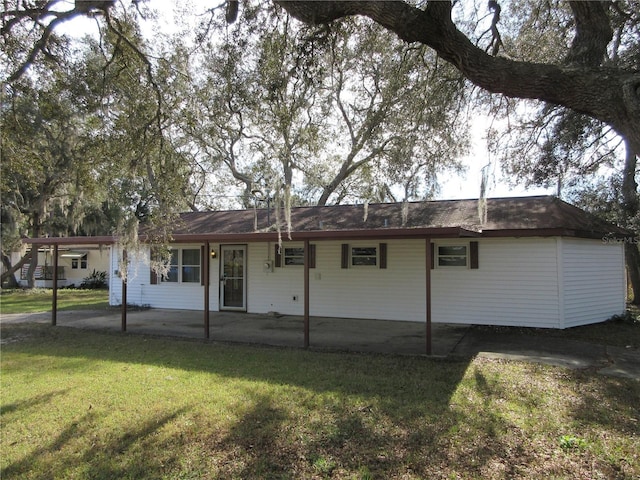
column 331, row 334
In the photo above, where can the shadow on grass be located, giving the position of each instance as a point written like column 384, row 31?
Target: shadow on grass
column 373, row 416
column 124, row 456
column 36, row 401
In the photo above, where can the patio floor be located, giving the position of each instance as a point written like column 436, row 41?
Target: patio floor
column 341, row 334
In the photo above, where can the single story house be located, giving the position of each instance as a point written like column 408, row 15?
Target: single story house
column 527, row 261
column 75, row 263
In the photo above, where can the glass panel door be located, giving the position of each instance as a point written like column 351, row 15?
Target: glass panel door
column 233, row 279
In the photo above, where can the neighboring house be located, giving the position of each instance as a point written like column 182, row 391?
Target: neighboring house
column 530, row 261
column 75, row 263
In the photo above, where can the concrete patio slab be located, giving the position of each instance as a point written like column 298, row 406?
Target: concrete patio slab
column 340, row 334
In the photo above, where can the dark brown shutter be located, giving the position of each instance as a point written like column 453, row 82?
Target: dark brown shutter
column 473, row 254
column 202, row 254
column 312, row 256
column 383, row 255
column 278, row 256
column 344, row 260
column 433, row 255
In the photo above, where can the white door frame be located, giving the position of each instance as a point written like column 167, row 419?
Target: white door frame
column 233, row 276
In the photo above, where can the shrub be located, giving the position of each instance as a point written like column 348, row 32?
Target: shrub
column 95, row 281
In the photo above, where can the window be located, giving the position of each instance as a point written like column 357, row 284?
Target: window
column 294, row 256
column 191, row 265
column 364, row 256
column 452, row 255
column 184, row 266
column 79, row 262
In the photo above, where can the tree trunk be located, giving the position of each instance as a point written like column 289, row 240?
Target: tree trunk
column 631, row 208
column 632, row 258
column 33, row 263
column 9, row 276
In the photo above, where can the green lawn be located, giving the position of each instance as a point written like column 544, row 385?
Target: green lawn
column 39, row 300
column 84, row 404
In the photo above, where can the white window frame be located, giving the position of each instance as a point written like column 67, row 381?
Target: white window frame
column 438, row 256
column 353, row 256
column 177, row 264
column 81, row 263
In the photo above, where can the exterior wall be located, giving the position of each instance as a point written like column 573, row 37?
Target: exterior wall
column 394, row 293
column 533, row 282
column 594, row 282
column 97, row 259
column 140, row 292
column 516, row 284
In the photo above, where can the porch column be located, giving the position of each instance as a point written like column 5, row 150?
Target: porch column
column 427, row 269
column 206, row 268
column 54, row 301
column 306, row 293
column 123, row 321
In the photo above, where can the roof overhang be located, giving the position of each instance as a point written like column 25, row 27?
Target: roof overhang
column 75, row 241
column 386, row 233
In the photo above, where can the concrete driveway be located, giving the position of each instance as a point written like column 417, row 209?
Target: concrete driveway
column 339, row 334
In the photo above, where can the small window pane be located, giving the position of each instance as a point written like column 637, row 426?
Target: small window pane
column 363, row 251
column 294, row 256
column 452, row 250
column 452, row 256
column 452, row 261
column 190, row 274
column 191, row 256
column 364, row 256
column 172, row 275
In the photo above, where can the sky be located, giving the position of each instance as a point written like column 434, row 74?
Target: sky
column 467, row 185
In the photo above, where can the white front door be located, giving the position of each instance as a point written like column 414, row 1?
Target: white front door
column 233, row 277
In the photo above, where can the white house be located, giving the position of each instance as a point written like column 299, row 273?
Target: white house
column 529, row 261
column 75, row 263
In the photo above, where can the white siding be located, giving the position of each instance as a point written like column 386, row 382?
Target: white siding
column 516, row 284
column 394, row 293
column 594, row 280
column 163, row 295
column 97, row 259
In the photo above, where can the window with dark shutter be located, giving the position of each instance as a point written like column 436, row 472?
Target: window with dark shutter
column 432, row 248
column 278, row 256
column 344, row 260
column 383, row 255
column 473, row 255
column 312, row 256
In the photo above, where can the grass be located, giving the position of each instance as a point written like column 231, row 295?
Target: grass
column 39, row 300
column 86, row 404
column 622, row 332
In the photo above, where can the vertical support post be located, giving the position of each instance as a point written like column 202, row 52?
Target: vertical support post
column 124, row 275
column 54, row 301
column 207, row 279
column 306, row 293
column 428, row 294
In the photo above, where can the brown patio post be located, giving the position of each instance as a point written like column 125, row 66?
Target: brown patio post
column 123, row 321
column 306, row 293
column 206, row 265
column 428, row 264
column 54, row 301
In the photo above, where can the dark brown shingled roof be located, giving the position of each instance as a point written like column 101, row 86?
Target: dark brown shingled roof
column 520, row 216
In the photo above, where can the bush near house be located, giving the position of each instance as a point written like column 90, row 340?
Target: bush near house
column 95, row 281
